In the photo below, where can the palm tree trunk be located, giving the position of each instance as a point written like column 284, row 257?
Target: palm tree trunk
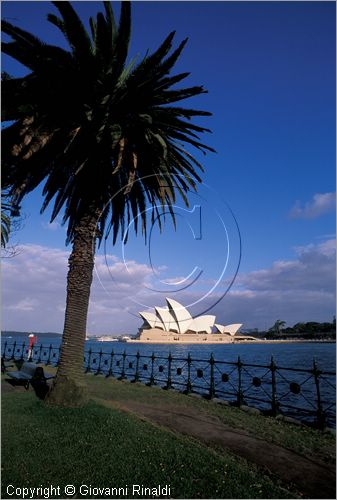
column 69, row 387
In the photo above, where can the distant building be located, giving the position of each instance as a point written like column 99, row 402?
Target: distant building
column 174, row 323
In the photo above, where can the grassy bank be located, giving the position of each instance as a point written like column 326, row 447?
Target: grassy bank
column 301, row 439
column 104, row 447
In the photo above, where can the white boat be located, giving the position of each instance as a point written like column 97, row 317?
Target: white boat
column 125, row 338
column 106, row 338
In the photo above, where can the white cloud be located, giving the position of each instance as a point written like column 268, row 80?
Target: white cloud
column 313, row 269
column 34, row 292
column 320, row 204
column 24, row 305
column 52, row 226
column 296, row 290
column 327, row 247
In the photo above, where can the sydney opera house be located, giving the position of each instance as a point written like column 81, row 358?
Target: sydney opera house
column 175, row 324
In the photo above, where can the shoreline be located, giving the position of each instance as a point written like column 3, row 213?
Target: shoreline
column 284, row 341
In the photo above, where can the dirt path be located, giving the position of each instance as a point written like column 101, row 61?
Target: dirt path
column 313, row 479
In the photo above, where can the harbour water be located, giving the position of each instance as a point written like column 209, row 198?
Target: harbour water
column 294, row 390
column 292, row 355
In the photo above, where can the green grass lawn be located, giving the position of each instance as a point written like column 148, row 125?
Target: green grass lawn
column 101, row 446
column 301, row 439
column 104, row 447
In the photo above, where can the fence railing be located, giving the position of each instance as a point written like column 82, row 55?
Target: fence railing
column 307, row 394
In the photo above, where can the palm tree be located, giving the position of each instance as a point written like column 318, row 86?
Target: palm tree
column 107, row 140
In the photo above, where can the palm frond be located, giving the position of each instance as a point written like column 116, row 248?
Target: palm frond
column 22, row 37
column 110, row 19
column 98, row 131
column 122, row 40
column 5, row 228
column 74, row 30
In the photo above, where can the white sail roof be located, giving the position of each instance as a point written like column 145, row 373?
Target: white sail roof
column 176, row 317
column 220, row 328
column 152, row 319
column 230, row 329
column 181, row 314
column 167, row 318
column 202, row 324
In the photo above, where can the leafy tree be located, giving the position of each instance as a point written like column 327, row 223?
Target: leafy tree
column 108, row 140
column 288, row 330
column 277, row 327
column 299, row 327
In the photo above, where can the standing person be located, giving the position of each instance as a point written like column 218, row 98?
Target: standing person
column 32, row 341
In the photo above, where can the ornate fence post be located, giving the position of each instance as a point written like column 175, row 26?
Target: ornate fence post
column 4, row 351
column 58, row 357
column 320, row 419
column 169, row 372
column 110, row 373
column 274, row 405
column 136, row 379
column 13, row 352
column 189, row 385
column 49, row 354
column 152, row 381
column 122, row 377
column 34, row 351
column 22, row 351
column 239, row 395
column 98, row 371
column 39, row 358
column 211, row 381
column 89, row 361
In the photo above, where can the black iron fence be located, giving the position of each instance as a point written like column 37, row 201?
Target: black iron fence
column 307, row 394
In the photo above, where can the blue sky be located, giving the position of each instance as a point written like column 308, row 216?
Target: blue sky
column 269, row 68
